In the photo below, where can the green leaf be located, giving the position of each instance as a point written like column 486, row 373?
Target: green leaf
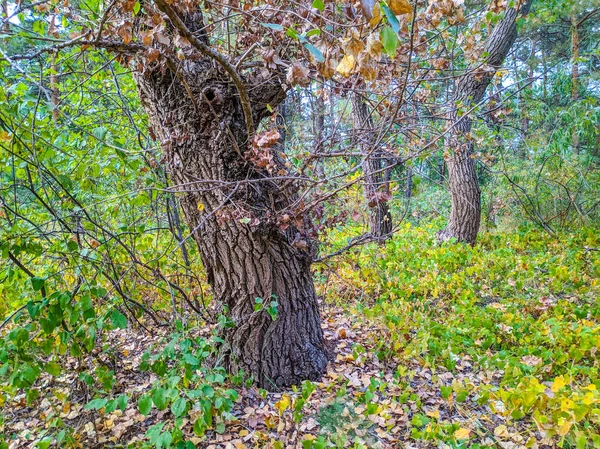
column 320, row 443
column 273, row 26
column 154, row 432
column 392, row 19
column 145, row 404
column 44, row 443
column 191, row 360
column 52, row 368
column 99, row 132
column 159, row 397
column 122, row 401
column 446, row 391
column 96, row 404
column 389, row 40
column 199, row 427
column 37, row 283
column 118, row 319
column 462, row 396
column 319, row 4
column 164, row 440
column 136, row 8
column 315, row 52
column 179, row 407
column 290, row 32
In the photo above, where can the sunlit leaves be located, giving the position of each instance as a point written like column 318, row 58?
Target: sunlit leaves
column 319, row 4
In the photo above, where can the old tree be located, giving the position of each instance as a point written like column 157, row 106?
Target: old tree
column 205, row 115
column 250, row 211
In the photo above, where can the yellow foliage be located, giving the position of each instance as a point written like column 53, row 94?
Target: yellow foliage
column 283, row 404
column 346, row 65
column 558, row 383
column 400, row 7
column 462, row 433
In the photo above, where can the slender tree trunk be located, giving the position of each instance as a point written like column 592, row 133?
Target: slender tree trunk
column 375, row 188
column 409, row 183
column 465, row 215
column 231, row 205
column 4, row 16
column 545, row 74
column 524, row 111
column 54, row 94
column 574, row 59
column 575, row 74
column 282, row 123
column 319, row 131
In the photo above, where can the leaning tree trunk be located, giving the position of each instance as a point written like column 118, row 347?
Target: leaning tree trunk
column 231, row 205
column 375, row 187
column 465, row 215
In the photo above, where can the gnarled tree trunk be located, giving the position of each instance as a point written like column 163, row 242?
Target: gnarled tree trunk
column 231, row 205
column 465, row 215
column 375, row 187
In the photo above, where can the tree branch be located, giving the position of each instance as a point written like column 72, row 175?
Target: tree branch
column 218, row 57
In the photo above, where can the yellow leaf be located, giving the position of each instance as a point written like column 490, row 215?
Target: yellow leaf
column 353, row 45
column 400, row 7
column 200, row 207
column 462, row 433
column 271, row 422
column 346, row 65
column 564, row 428
column 501, row 431
column 434, row 414
column 588, row 399
column 283, row 404
column 558, row 383
column 566, row 404
column 374, row 21
column 374, row 46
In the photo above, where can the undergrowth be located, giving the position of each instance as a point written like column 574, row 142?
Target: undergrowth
column 519, row 309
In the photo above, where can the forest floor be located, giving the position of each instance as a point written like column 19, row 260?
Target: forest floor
column 360, row 401
column 493, row 346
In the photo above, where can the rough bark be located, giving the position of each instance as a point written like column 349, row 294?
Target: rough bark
column 375, row 188
column 465, row 215
column 231, row 206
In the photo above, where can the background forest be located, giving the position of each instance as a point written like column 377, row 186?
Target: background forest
column 300, row 224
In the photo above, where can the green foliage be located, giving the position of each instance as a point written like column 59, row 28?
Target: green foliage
column 187, row 386
column 523, row 305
